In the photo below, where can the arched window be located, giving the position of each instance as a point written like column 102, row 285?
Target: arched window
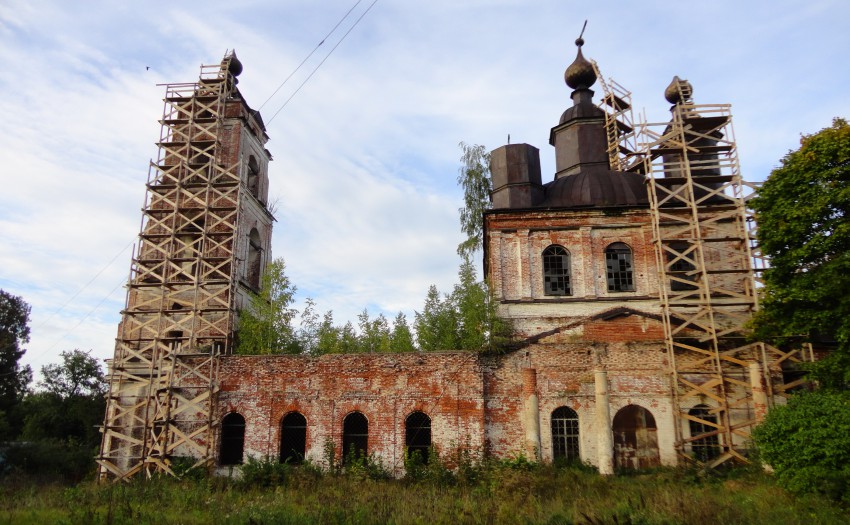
column 355, row 436
column 253, row 176
column 293, row 438
column 255, row 252
column 556, row 271
column 707, row 447
column 679, row 266
column 618, row 260
column 417, row 435
column 635, row 438
column 565, row 435
column 232, row 439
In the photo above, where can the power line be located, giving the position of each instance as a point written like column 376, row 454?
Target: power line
column 323, row 60
column 311, row 54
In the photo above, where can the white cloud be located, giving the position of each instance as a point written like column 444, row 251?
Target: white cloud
column 366, row 153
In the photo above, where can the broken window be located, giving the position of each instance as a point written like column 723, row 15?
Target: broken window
column 565, row 435
column 680, row 267
column 618, row 260
column 255, row 252
column 293, row 438
column 556, row 271
column 253, row 177
column 355, row 436
column 706, row 447
column 232, row 439
column 417, row 435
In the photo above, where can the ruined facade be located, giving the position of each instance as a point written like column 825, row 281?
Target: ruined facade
column 627, row 279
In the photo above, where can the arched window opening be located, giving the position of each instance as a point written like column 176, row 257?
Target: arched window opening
column 417, row 435
column 556, row 271
column 293, row 438
column 618, row 260
column 253, row 177
column 355, row 436
column 680, row 267
column 707, row 447
column 635, row 438
column 232, row 439
column 565, row 437
column 255, row 252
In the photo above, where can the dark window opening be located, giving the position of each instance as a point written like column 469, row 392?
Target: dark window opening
column 417, row 435
column 253, row 177
column 707, row 447
column 618, row 260
column 556, row 271
column 355, row 436
column 293, row 438
column 232, row 439
column 565, row 437
column 255, row 252
column 679, row 267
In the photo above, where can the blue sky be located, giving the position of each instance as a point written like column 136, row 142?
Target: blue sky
column 366, row 154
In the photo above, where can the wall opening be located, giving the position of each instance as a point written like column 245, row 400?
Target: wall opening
column 635, row 438
column 707, row 447
column 232, row 439
column 293, row 438
column 355, row 436
column 556, row 271
column 255, row 256
column 253, row 177
column 417, row 435
column 565, row 438
column 618, row 261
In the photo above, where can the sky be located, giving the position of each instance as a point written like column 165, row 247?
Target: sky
column 366, row 153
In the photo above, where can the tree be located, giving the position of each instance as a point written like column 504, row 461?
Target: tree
column 474, row 178
column 401, row 338
column 436, row 325
column 265, row 327
column 69, row 403
column 807, row 443
column 14, row 332
column 802, row 213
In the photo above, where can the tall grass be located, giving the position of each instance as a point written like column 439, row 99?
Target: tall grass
column 499, row 492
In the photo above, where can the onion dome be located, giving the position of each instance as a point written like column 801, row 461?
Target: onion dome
column 235, row 67
column 678, row 91
column 596, row 188
column 580, row 74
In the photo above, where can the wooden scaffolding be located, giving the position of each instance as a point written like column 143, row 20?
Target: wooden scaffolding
column 179, row 310
column 709, row 270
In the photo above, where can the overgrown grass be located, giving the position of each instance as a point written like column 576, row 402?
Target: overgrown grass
column 499, row 492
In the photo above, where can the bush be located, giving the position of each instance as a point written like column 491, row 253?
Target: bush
column 267, row 472
column 50, row 460
column 807, row 443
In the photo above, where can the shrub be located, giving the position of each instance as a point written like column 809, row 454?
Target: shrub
column 807, row 443
column 266, row 472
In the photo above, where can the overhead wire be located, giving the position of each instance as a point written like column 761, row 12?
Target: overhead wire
column 323, row 60
column 309, row 55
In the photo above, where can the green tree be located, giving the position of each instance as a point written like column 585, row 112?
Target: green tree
column 479, row 326
column 804, row 230
column 474, row 178
column 69, row 401
column 807, row 442
column 401, row 337
column 265, row 327
column 14, row 378
column 436, row 324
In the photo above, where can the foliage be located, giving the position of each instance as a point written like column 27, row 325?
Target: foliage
column 501, row 495
column 265, row 327
column 464, row 320
column 804, row 229
column 69, row 403
column 474, row 178
column 807, row 442
column 266, row 472
column 14, row 332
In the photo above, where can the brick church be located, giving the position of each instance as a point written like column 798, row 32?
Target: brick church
column 603, row 274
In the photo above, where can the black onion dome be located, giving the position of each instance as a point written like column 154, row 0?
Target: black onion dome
column 596, row 188
column 235, row 67
column 580, row 74
column 676, row 89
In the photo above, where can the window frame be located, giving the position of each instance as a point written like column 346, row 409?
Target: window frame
column 554, row 275
column 566, row 435
column 622, row 277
